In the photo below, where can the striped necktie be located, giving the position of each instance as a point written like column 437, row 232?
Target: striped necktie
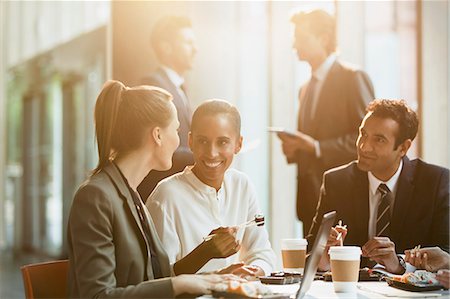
column 383, row 214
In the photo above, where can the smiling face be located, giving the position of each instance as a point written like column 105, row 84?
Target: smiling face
column 214, row 142
column 376, row 146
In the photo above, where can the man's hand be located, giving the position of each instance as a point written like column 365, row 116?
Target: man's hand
column 333, row 236
column 324, row 264
column 293, row 143
column 382, row 251
column 242, row 270
column 223, row 243
column 443, row 276
column 430, row 259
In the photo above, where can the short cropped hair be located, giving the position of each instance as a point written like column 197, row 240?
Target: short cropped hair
column 166, row 29
column 398, row 111
column 214, row 107
column 318, row 22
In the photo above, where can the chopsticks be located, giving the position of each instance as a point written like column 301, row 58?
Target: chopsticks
column 258, row 220
column 339, row 236
column 415, row 249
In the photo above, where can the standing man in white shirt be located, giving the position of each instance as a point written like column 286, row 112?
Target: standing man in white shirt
column 332, row 105
column 211, row 199
column 174, row 45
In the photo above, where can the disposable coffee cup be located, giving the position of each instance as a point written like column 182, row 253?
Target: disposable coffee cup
column 293, row 252
column 345, row 261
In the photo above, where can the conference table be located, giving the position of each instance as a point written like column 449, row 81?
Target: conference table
column 370, row 289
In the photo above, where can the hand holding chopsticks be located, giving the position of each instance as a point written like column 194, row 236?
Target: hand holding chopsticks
column 258, row 220
column 337, row 235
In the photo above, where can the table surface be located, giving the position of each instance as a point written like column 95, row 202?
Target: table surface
column 373, row 289
column 369, row 289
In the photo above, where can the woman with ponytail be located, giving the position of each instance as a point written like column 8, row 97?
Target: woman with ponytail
column 114, row 250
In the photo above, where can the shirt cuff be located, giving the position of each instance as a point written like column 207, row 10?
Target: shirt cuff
column 409, row 267
column 317, row 149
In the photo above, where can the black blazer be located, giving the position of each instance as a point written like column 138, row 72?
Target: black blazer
column 340, row 109
column 421, row 208
column 183, row 155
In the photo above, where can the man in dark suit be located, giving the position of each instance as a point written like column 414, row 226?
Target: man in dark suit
column 388, row 202
column 332, row 105
column 173, row 42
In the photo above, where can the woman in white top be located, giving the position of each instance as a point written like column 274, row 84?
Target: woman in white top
column 211, row 199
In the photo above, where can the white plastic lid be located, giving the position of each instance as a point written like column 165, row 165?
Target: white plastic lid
column 345, row 252
column 293, row 243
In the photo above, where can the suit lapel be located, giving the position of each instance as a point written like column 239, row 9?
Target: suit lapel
column 403, row 197
column 323, row 99
column 361, row 202
column 170, row 86
column 124, row 193
column 185, row 111
column 158, row 247
column 301, row 99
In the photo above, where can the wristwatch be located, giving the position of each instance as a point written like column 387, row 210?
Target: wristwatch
column 402, row 262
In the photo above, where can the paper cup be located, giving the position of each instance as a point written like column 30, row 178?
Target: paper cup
column 293, row 252
column 345, row 261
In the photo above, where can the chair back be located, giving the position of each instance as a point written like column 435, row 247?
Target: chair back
column 46, row 280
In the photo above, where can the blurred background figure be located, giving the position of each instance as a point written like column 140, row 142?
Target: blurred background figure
column 173, row 43
column 332, row 104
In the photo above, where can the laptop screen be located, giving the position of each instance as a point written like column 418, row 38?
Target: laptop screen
column 316, row 253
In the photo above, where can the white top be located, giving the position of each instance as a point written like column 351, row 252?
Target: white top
column 185, row 210
column 375, row 197
column 177, row 80
column 321, row 74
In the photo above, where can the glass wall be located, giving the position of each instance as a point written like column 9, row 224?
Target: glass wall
column 50, row 136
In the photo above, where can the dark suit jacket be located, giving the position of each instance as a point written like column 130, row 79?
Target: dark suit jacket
column 340, row 109
column 421, row 208
column 108, row 253
column 183, row 155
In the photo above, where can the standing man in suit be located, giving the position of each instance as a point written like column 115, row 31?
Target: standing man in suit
column 388, row 202
column 332, row 105
column 173, row 42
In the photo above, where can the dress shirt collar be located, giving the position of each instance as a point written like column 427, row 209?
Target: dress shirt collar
column 391, row 183
column 199, row 185
column 174, row 77
column 322, row 71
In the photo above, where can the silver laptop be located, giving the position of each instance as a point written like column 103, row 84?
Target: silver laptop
column 316, row 253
